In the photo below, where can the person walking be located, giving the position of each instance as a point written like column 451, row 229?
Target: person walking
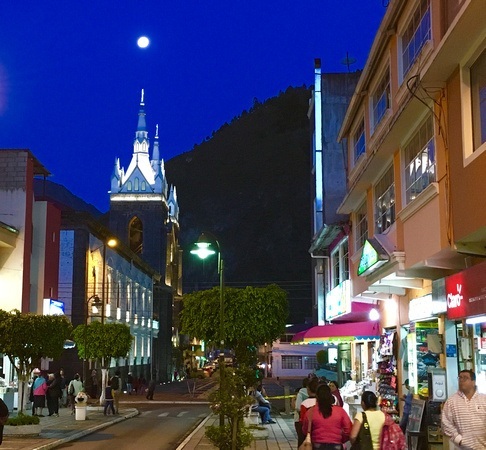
column 129, row 383
column 329, row 424
column 109, row 399
column 337, row 394
column 302, row 394
column 308, row 403
column 93, row 392
column 150, row 390
column 115, row 383
column 74, row 388
column 374, row 417
column 40, row 389
column 64, row 398
column 54, row 393
column 464, row 415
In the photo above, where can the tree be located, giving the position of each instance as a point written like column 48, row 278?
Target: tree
column 103, row 342
column 27, row 338
column 252, row 316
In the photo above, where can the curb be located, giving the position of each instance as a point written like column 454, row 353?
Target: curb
column 188, row 438
column 82, row 433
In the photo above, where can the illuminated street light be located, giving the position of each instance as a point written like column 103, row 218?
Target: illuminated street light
column 203, row 250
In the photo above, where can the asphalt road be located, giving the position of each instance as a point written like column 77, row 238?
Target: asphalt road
column 159, row 426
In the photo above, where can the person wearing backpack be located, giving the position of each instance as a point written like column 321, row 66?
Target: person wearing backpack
column 74, row 388
column 116, row 389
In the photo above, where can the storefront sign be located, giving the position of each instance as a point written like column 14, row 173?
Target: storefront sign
column 338, row 300
column 53, row 307
column 466, row 293
column 373, row 256
column 421, row 308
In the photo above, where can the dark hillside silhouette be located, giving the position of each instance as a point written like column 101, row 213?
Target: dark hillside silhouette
column 249, row 185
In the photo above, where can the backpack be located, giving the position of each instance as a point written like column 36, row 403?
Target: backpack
column 115, row 383
column 392, row 437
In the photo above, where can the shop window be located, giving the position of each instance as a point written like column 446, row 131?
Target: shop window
column 359, row 143
column 417, row 33
column 361, row 231
column 385, row 202
column 419, row 158
column 380, row 99
column 291, row 362
column 478, row 100
column 340, row 263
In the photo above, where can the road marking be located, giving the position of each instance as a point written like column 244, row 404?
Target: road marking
column 182, row 413
column 164, row 414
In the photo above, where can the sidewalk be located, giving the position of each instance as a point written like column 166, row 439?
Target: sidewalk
column 279, row 436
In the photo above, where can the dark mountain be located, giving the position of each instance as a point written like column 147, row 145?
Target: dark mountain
column 249, row 185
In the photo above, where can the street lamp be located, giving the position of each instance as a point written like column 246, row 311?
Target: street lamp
column 203, row 250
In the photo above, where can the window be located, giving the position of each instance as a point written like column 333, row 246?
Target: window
column 291, row 362
column 420, row 160
column 381, row 98
column 385, row 202
column 310, row 362
column 340, row 263
column 135, row 232
column 359, row 141
column 144, row 186
column 417, row 33
column 361, row 231
column 135, row 184
column 129, row 186
column 478, row 100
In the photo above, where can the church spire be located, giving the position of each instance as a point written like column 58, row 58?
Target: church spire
column 141, row 143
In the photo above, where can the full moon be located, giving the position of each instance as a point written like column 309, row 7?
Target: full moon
column 143, row 42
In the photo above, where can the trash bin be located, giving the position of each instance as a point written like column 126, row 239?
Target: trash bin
column 80, row 412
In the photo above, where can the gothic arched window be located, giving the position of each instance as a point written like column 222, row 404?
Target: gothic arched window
column 144, row 186
column 135, row 188
column 129, row 186
column 135, row 235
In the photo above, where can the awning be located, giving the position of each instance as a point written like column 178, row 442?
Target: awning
column 342, row 332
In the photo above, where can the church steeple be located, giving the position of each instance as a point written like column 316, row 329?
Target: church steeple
column 141, row 143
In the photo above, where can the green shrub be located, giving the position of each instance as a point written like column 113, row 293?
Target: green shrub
column 221, row 438
column 22, row 419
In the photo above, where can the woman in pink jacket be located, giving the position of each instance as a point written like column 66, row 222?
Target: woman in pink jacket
column 40, row 388
column 331, row 425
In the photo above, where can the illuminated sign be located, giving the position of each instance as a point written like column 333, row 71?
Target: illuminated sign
column 338, row 300
column 372, row 257
column 53, row 307
column 466, row 293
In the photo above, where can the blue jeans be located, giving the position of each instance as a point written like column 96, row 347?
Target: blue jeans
column 264, row 413
column 109, row 404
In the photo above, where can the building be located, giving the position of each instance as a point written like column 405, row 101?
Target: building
column 29, row 236
column 144, row 213
column 415, row 144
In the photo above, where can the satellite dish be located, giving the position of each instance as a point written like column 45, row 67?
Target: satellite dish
column 348, row 61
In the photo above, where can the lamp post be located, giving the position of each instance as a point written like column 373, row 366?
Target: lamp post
column 203, row 250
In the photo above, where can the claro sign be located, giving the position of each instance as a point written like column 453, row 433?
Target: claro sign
column 466, row 293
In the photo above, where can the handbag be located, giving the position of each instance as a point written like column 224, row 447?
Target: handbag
column 363, row 440
column 392, row 437
column 307, row 444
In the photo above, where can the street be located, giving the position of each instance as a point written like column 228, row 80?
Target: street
column 159, row 426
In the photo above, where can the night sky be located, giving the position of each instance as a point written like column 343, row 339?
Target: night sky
column 71, row 72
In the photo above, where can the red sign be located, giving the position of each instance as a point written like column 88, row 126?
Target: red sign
column 466, row 293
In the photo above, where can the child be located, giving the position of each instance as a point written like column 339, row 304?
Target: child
column 109, row 399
